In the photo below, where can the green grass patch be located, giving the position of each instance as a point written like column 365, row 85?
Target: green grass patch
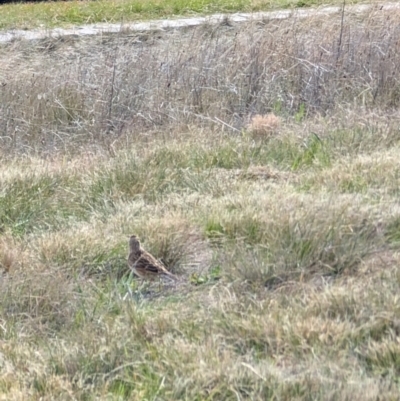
column 51, row 14
column 33, row 204
column 274, row 252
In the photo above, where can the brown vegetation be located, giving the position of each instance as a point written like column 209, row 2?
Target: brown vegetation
column 287, row 245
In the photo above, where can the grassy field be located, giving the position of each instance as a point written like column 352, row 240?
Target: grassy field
column 50, row 14
column 259, row 161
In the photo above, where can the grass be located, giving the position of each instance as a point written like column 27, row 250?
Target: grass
column 51, row 14
column 265, row 185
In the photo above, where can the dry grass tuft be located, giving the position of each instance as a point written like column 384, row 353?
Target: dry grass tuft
column 8, row 255
column 263, row 126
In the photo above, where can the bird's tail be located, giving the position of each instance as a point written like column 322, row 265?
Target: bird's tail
column 170, row 276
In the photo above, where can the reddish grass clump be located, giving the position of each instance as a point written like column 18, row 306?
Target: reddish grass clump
column 263, row 125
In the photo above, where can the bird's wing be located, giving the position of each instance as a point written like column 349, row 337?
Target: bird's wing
column 133, row 257
column 149, row 266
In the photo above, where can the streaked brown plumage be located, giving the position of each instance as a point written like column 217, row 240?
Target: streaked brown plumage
column 143, row 264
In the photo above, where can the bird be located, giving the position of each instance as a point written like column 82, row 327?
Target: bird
column 145, row 265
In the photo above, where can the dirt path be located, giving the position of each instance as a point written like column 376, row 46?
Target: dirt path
column 100, row 28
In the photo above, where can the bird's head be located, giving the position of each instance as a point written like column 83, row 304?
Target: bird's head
column 134, row 243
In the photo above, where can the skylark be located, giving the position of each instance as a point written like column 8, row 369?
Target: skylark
column 143, row 264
